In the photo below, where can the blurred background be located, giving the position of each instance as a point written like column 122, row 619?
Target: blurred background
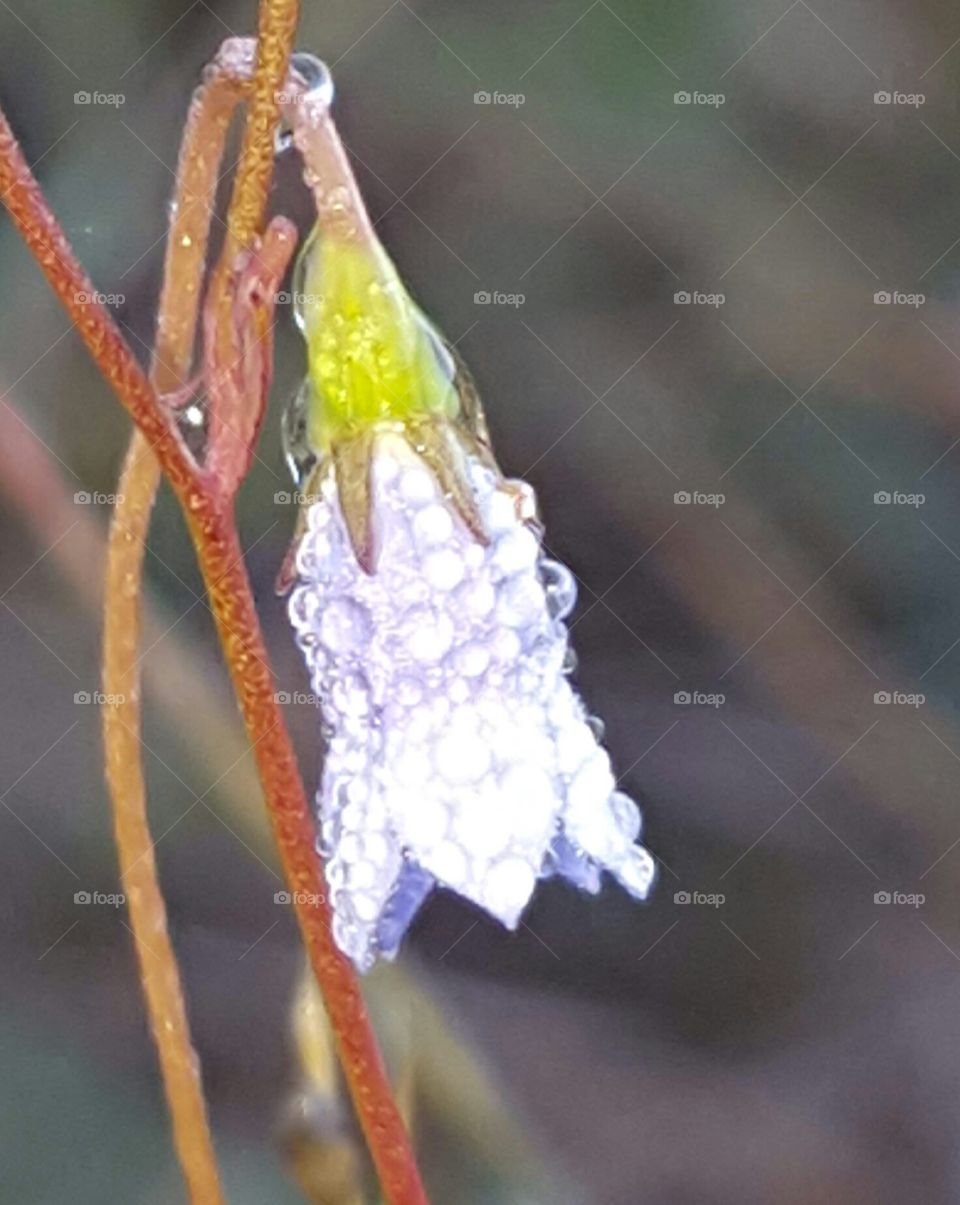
column 703, row 260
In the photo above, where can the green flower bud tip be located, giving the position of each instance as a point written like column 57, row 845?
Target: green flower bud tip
column 376, row 363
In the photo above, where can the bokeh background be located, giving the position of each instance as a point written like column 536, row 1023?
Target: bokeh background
column 759, row 492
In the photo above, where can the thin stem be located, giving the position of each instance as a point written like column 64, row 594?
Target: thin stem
column 200, row 155
column 221, row 560
column 159, row 974
column 276, row 29
column 339, row 201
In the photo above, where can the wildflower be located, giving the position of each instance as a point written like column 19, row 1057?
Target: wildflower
column 433, row 626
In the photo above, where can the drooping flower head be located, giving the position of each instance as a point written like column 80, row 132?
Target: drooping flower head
column 458, row 753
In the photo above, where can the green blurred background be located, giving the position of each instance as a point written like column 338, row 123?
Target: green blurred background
column 798, row 1041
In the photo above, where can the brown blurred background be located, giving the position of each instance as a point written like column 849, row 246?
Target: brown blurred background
column 791, row 1037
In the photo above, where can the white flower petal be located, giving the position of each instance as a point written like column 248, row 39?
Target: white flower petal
column 458, row 752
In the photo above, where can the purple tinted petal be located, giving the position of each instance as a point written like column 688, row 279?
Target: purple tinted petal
column 566, row 860
column 412, row 887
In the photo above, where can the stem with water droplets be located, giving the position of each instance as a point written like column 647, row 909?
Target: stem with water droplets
column 213, row 531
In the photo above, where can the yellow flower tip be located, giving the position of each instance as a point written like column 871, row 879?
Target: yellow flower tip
column 377, row 365
column 373, row 355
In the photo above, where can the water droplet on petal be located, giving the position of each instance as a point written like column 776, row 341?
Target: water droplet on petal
column 597, row 727
column 560, row 586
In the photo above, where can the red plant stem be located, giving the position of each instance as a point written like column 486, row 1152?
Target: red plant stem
column 212, row 529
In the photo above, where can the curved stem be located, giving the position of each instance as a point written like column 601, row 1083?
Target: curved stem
column 159, row 975
column 200, row 155
column 217, row 546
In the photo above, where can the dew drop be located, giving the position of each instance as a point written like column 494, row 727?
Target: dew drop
column 301, row 281
column 560, row 586
column 296, row 443
column 597, row 727
column 282, row 140
column 316, row 75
